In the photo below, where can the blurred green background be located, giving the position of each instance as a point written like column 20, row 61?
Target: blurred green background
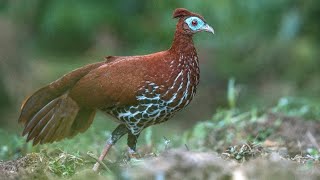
column 270, row 47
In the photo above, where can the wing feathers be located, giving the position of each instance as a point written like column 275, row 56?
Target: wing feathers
column 36, row 130
column 39, row 115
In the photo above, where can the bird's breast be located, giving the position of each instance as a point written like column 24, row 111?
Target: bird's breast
column 157, row 101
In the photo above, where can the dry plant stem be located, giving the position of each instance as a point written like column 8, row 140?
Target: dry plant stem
column 102, row 156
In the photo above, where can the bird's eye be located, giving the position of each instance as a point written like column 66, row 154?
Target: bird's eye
column 194, row 23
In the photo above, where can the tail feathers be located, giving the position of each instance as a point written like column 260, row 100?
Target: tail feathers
column 36, row 102
column 53, row 121
column 52, row 91
column 50, row 114
column 41, row 117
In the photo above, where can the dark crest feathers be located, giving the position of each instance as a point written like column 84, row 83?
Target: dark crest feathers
column 180, row 12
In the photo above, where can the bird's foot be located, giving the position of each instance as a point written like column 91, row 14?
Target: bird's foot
column 132, row 154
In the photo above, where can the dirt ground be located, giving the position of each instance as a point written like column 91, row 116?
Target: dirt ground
column 28, row 167
column 284, row 153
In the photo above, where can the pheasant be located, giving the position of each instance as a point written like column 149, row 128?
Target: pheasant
column 138, row 91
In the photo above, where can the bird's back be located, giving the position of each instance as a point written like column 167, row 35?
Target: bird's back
column 140, row 90
column 119, row 81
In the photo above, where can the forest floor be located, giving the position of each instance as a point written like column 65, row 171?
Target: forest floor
column 278, row 143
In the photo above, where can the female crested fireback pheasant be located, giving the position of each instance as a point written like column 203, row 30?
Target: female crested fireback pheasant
column 138, row 91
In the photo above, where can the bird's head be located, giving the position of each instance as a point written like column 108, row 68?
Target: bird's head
column 190, row 23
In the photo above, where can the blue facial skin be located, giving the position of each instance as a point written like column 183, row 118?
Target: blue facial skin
column 196, row 27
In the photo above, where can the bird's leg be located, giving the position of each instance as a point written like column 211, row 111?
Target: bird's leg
column 115, row 136
column 132, row 142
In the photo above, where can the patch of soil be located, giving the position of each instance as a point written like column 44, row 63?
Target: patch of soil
column 297, row 134
column 290, row 135
column 31, row 166
column 181, row 164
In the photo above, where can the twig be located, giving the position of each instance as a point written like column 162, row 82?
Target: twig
column 166, row 143
column 248, row 146
column 100, row 162
column 187, row 147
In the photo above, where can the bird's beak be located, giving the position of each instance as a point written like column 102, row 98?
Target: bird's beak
column 207, row 28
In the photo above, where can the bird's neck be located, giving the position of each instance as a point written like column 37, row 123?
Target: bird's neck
column 182, row 43
column 186, row 59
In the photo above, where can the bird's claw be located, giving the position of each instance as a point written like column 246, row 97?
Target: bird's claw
column 132, row 154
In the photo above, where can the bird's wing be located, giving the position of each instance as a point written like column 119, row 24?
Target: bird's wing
column 112, row 84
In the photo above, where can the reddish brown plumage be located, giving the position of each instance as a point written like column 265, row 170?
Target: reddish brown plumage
column 137, row 90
